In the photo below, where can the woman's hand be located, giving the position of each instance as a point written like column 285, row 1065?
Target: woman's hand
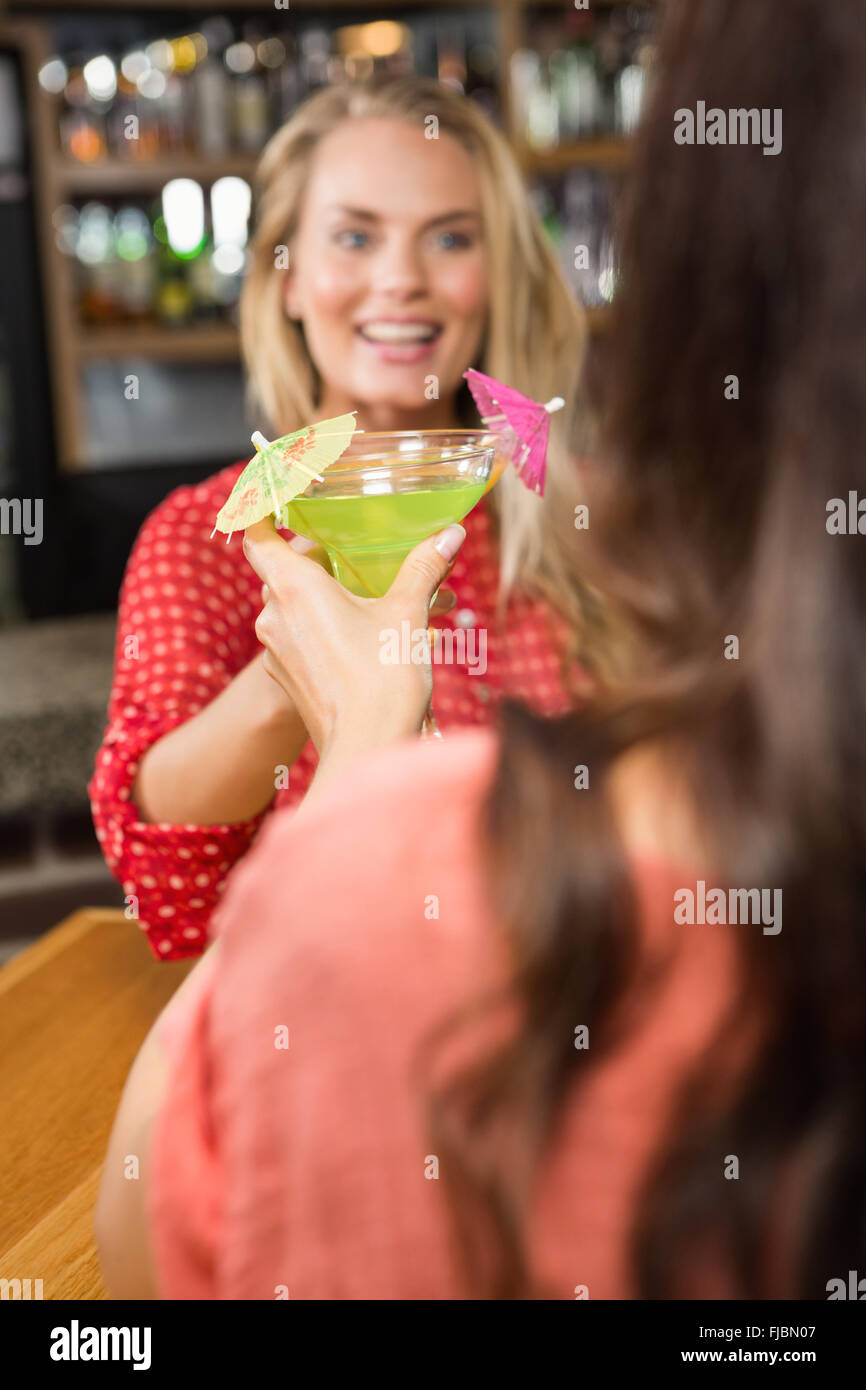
column 443, row 602
column 329, row 650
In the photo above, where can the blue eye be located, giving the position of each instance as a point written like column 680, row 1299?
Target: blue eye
column 352, row 239
column 454, row 241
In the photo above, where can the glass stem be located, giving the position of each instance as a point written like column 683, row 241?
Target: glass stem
column 430, row 729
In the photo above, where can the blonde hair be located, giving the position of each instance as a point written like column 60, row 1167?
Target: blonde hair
column 536, row 331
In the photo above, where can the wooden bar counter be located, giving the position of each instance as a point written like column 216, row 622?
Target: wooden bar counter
column 74, row 1009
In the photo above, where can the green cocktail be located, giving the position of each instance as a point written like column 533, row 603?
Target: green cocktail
column 369, row 536
column 385, row 494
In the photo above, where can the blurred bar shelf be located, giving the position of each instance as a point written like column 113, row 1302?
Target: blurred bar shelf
column 73, row 345
column 125, row 176
column 304, row 6
column 206, row 342
column 128, row 175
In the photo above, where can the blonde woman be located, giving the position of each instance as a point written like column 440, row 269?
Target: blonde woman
column 395, row 248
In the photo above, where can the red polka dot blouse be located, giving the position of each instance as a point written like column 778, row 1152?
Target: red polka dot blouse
column 186, row 628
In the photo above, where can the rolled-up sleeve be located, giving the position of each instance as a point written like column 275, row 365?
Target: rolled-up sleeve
column 185, row 629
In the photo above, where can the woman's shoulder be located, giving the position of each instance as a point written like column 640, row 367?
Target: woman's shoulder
column 393, row 794
column 179, row 531
column 399, row 825
column 199, row 500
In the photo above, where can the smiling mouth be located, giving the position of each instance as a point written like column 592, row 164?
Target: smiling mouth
column 399, row 334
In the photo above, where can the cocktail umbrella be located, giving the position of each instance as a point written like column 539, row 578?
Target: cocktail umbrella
column 281, row 471
column 522, row 424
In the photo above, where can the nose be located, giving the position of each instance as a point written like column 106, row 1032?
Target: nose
column 399, row 271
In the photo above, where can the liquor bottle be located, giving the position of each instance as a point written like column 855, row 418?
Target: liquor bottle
column 542, row 116
column 249, row 96
column 566, row 80
column 202, row 278
column 121, row 132
column 99, row 274
column 451, row 62
column 136, row 252
column 150, row 87
column 272, row 54
column 315, row 52
column 523, row 75
column 635, row 70
column 212, row 98
column 82, row 123
column 174, row 301
column 481, row 62
column 629, row 93
column 288, row 81
column 608, row 51
column 171, row 113
column 536, row 112
column 587, row 107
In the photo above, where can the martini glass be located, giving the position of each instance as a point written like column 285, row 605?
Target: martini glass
column 385, row 494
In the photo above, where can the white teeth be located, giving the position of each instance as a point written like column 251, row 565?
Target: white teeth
column 399, row 332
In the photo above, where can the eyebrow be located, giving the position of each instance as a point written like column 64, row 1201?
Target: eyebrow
column 363, row 214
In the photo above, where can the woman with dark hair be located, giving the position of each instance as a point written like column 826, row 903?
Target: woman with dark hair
column 588, row 992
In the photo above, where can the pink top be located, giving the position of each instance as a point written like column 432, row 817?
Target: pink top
column 186, row 628
column 357, row 926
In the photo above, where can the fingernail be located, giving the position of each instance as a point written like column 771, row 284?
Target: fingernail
column 449, row 541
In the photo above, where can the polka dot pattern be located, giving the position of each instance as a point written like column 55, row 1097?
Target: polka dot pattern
column 186, row 628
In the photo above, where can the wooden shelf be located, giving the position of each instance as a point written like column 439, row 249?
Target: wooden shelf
column 125, row 176
column 212, row 342
column 609, row 152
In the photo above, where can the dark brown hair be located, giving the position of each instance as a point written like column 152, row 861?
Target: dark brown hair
column 710, row 514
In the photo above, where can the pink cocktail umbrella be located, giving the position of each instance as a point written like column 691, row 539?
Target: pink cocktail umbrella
column 522, row 424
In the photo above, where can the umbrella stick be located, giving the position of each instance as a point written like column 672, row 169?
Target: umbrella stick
column 258, row 439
